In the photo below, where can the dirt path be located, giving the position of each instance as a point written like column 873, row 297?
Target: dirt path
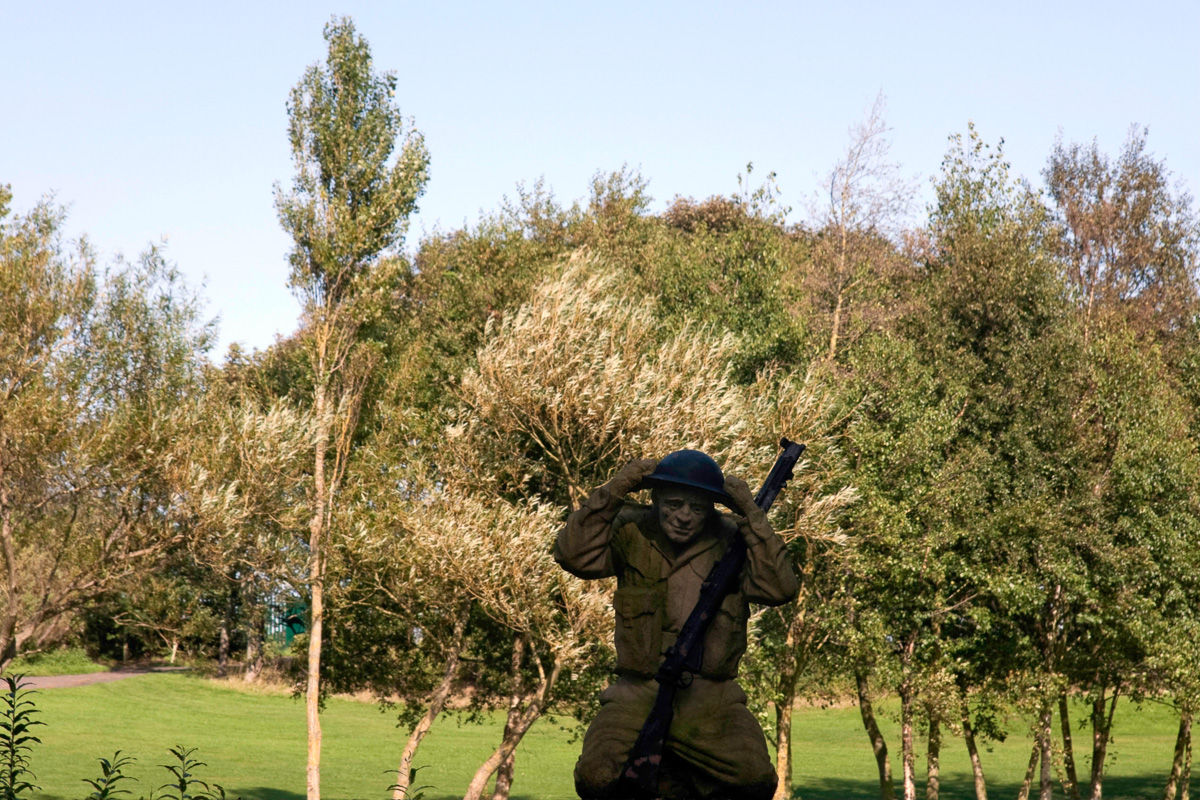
column 86, row 679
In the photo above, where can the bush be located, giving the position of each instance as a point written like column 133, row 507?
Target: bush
column 67, row 661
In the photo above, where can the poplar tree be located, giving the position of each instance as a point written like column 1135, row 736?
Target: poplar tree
column 360, row 168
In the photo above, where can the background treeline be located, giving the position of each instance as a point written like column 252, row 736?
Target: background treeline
column 996, row 520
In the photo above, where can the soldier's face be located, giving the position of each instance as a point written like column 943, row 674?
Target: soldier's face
column 682, row 513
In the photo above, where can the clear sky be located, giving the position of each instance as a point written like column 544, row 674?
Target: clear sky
column 167, row 121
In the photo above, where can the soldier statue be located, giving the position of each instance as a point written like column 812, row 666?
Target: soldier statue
column 661, row 554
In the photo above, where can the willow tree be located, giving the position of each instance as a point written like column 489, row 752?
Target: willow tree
column 241, row 480
column 566, row 388
column 360, row 169
column 93, row 367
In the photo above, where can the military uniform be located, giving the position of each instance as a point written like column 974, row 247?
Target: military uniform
column 716, row 747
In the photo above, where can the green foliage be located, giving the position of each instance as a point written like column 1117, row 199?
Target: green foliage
column 94, row 365
column 184, row 784
column 16, row 742
column 350, row 198
column 106, row 786
column 411, row 792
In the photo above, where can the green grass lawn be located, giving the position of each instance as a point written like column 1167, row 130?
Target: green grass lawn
column 254, row 745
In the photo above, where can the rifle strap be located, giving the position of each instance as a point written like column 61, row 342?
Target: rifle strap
column 722, row 576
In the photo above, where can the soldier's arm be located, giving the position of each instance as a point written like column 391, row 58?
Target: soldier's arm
column 768, row 577
column 583, row 545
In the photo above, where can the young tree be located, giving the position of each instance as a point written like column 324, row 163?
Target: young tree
column 854, row 261
column 351, row 197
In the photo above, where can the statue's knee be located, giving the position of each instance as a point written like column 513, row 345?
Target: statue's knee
column 595, row 778
column 755, row 786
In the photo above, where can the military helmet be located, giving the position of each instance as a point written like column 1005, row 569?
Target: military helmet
column 690, row 469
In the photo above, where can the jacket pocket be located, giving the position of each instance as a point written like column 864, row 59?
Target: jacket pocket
column 726, row 639
column 639, row 628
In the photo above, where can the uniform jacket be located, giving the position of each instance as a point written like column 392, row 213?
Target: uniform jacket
column 657, row 588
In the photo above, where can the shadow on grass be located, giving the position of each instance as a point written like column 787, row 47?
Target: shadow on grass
column 250, row 793
column 1139, row 787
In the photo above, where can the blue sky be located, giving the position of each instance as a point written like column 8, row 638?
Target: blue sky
column 160, row 121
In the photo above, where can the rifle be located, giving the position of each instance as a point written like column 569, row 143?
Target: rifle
column 639, row 775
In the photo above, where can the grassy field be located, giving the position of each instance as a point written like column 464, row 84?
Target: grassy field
column 254, row 745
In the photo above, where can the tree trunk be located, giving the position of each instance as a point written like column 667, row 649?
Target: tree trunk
column 1045, row 736
column 835, row 327
column 785, row 699
column 223, row 650
column 436, row 703
column 933, row 773
column 534, row 706
column 255, row 633
column 973, row 752
column 1101, row 728
column 1071, row 784
column 223, row 641
column 886, row 790
column 504, row 773
column 1027, row 784
column 1183, row 742
column 1185, row 792
column 907, row 753
column 316, row 585
column 504, row 776
column 783, row 748
column 8, row 624
column 508, row 746
column 312, row 688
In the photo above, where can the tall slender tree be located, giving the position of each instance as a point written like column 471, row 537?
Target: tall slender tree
column 360, row 169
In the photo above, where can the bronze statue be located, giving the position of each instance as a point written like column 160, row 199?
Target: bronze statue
column 661, row 555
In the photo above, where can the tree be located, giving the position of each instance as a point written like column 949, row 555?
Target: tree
column 350, row 200
column 725, row 263
column 242, row 485
column 997, row 321
column 790, row 639
column 93, row 368
column 854, row 261
column 1130, row 243
column 958, row 414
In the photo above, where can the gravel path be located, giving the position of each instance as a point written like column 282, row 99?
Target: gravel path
column 63, row 681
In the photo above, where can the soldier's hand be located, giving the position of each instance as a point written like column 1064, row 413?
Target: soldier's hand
column 737, row 489
column 629, row 477
column 757, row 527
